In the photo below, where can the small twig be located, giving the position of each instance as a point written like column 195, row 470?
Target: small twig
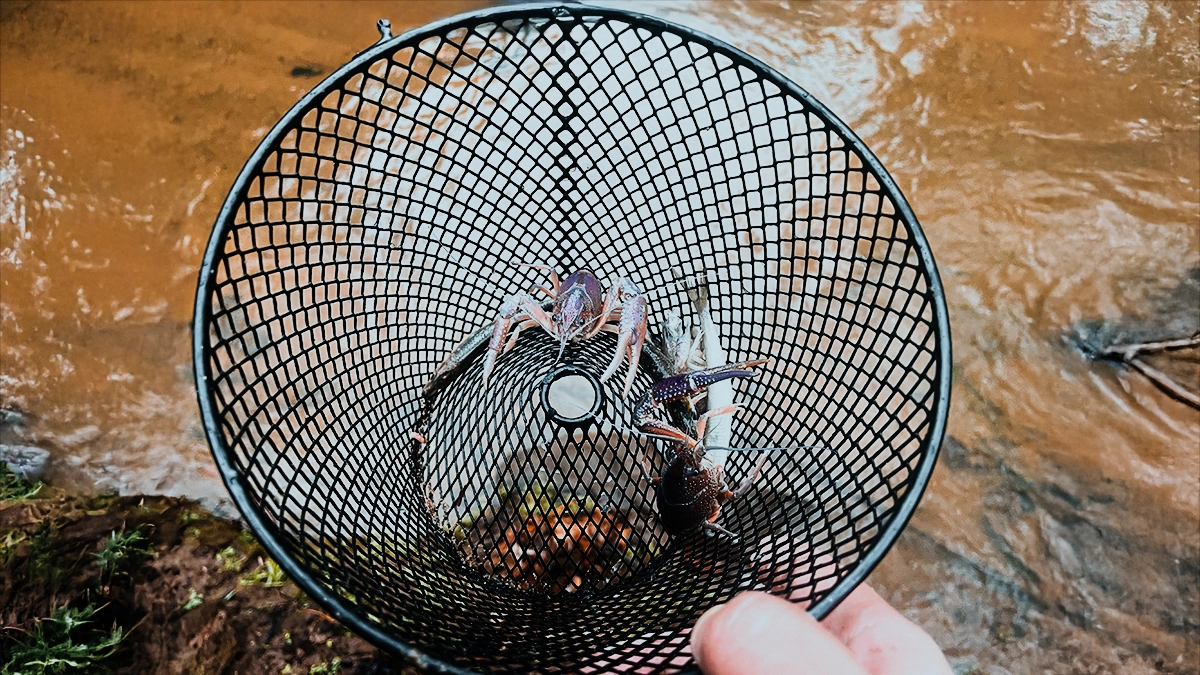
column 1128, row 354
column 139, row 623
column 1164, row 382
column 321, row 614
column 1129, row 351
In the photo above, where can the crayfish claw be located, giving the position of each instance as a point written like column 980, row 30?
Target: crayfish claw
column 631, row 332
column 635, row 354
column 618, row 358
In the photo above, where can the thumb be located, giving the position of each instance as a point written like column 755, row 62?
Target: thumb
column 760, row 633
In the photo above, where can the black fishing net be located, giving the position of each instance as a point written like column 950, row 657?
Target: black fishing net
column 382, row 222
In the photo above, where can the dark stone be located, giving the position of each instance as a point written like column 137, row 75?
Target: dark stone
column 959, row 457
column 1061, row 493
column 306, row 71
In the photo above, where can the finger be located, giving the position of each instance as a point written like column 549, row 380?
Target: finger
column 881, row 639
column 760, row 633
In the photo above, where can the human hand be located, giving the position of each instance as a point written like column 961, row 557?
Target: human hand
column 760, row 633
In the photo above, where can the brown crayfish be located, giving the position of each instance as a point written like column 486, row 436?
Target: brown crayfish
column 691, row 488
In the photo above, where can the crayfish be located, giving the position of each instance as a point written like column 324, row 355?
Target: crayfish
column 581, row 310
column 691, row 488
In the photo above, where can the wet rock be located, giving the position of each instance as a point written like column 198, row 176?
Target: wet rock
column 1055, row 536
column 307, row 71
column 11, row 418
column 1170, row 313
column 961, row 458
column 81, row 436
column 26, row 461
column 12, row 426
column 1136, row 340
column 236, row 627
column 964, row 665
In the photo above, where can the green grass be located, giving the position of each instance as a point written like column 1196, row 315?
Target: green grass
column 123, row 552
column 230, row 560
column 64, row 643
column 9, row 541
column 14, row 487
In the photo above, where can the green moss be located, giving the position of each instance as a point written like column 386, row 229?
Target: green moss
column 193, row 600
column 9, row 541
column 64, row 643
column 268, row 575
column 42, row 561
column 333, row 667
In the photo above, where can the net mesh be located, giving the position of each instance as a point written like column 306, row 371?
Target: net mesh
column 381, row 224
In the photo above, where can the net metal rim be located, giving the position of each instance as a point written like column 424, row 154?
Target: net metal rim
column 267, row 534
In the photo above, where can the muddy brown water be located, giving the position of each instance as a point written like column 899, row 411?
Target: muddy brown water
column 1050, row 150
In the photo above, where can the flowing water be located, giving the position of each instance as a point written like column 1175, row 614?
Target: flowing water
column 1050, row 150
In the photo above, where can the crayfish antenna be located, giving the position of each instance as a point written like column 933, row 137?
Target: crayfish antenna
column 562, row 346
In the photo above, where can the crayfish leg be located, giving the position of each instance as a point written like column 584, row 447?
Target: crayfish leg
column 745, row 486
column 535, row 312
column 702, row 423
column 649, row 472
column 713, row 527
column 653, row 427
column 512, row 341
